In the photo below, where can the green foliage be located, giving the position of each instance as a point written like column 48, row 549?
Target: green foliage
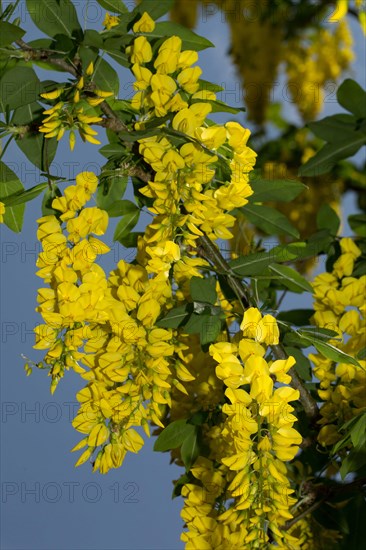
column 10, row 185
column 19, row 86
column 174, row 435
column 269, row 220
column 54, row 17
column 115, row 6
column 266, row 273
column 345, row 134
column 275, row 190
column 328, row 219
column 203, row 289
column 291, row 279
column 9, row 33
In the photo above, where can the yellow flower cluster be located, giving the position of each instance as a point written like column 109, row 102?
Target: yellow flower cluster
column 340, row 306
column 190, row 199
column 110, row 21
column 104, row 328
column 242, row 497
column 69, row 114
column 311, row 66
column 2, row 212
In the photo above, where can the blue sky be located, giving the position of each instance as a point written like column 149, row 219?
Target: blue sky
column 46, row 502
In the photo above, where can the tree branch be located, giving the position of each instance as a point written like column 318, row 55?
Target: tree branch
column 33, row 54
column 325, row 492
column 112, row 122
column 211, row 253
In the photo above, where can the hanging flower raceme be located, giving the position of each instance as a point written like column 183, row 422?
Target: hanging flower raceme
column 339, row 306
column 104, row 328
column 247, row 500
column 189, row 197
column 73, row 110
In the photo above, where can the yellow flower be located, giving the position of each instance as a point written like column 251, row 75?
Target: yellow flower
column 188, row 79
column 144, row 24
column 90, row 69
column 141, row 51
column 110, row 21
column 2, row 212
column 52, row 95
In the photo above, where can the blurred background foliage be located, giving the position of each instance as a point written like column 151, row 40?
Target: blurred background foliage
column 307, row 46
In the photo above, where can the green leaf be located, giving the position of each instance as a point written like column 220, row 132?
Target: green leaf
column 189, row 451
column 10, row 184
column 120, row 208
column 333, row 353
column 221, row 107
column 291, row 279
column 112, row 46
column 111, row 188
column 24, row 196
column 127, row 223
column 190, row 40
column 173, row 435
column 331, row 153
column 275, row 190
column 54, row 16
column 209, row 86
column 154, row 9
column 327, row 218
column 93, row 39
column 115, row 6
column 34, row 147
column 174, row 318
column 352, row 97
column 18, row 87
column 194, row 324
column 210, row 329
column 318, row 243
column 203, row 289
column 333, row 128
column 355, row 515
column 323, row 334
column 358, row 432
column 256, row 263
column 269, row 220
column 105, row 77
column 303, row 365
column 362, row 354
column 130, row 240
column 9, row 33
column 353, row 461
column 297, row 317
column 357, row 223
column 112, row 150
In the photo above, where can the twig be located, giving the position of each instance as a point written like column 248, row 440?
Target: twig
column 212, row 253
column 325, row 492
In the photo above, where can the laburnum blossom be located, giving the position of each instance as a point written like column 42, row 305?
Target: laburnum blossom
column 104, row 329
column 342, row 385
column 252, row 446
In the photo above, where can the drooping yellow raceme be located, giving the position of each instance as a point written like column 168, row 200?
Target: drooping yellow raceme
column 248, row 496
column 185, row 174
column 69, row 114
column 104, row 328
column 339, row 303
